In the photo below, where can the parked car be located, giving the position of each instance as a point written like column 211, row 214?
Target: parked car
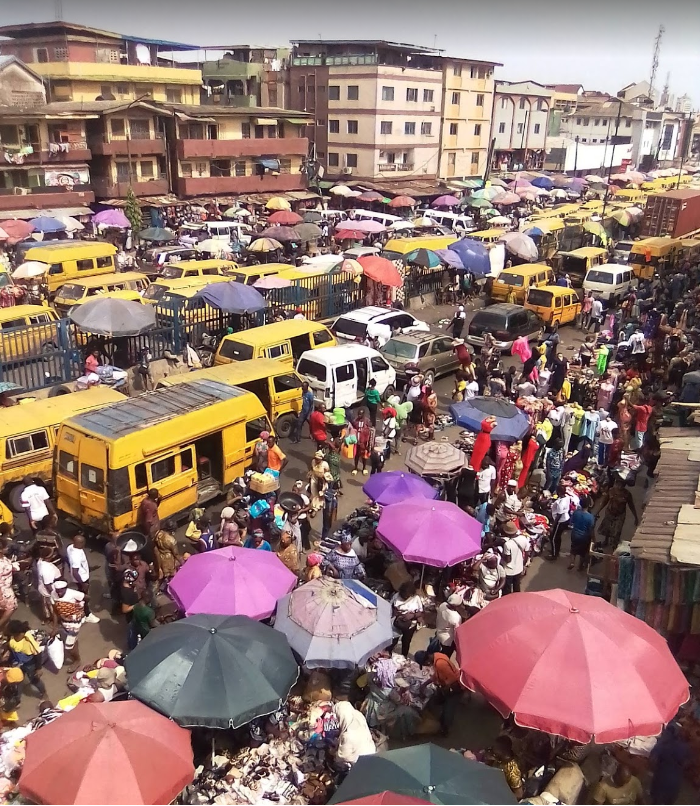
column 506, row 323
column 354, row 325
column 622, row 250
column 432, row 353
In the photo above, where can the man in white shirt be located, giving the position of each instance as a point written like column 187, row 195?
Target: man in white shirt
column 606, row 436
column 80, row 572
column 526, row 389
column 471, row 390
column 47, row 574
column 446, row 622
column 637, row 342
column 515, row 547
column 33, row 499
column 596, row 315
column 561, row 507
column 486, row 479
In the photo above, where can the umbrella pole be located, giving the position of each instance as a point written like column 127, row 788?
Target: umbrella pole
column 422, row 574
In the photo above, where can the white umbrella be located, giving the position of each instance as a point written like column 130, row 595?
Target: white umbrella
column 341, row 190
column 214, row 246
column 499, row 219
column 399, row 225
column 32, row 268
column 72, row 224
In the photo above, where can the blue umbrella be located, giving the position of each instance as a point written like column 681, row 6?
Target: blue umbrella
column 543, row 182
column 474, row 256
column 512, row 423
column 233, row 297
column 423, row 257
column 45, row 223
column 396, row 486
column 451, row 258
column 534, row 232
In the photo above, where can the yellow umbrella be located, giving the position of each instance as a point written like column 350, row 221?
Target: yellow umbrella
column 597, row 229
column 424, row 222
column 264, row 245
column 351, row 265
column 278, row 203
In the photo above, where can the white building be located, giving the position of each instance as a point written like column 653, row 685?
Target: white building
column 519, row 127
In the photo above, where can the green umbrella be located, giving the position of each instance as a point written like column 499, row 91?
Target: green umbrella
column 157, row 234
column 477, row 203
column 428, row 772
column 423, row 257
column 490, row 213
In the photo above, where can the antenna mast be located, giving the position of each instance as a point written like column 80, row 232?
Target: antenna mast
column 655, row 60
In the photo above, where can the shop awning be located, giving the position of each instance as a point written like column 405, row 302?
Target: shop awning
column 193, row 118
column 299, row 121
column 270, row 164
column 300, row 195
column 265, row 121
column 53, row 212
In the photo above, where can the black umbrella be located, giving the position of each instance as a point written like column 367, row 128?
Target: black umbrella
column 428, row 772
column 212, row 671
column 312, row 216
column 308, row 232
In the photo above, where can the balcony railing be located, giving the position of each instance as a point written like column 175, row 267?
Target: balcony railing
column 390, row 167
column 249, row 147
column 105, row 187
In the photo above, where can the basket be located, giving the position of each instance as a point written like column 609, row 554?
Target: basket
column 263, row 483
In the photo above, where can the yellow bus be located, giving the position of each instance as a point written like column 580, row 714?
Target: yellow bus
column 126, row 284
column 70, row 260
column 396, row 248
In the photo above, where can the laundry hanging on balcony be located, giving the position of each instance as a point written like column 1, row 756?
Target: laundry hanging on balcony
column 270, row 164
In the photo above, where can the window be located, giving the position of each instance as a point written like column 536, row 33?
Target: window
column 385, row 127
column 186, row 460
column 67, row 465
column 285, row 165
column 504, row 103
column 245, row 131
column 345, row 372
column 38, row 441
column 163, row 468
column 480, row 99
column 422, row 351
column 596, row 122
column 428, row 96
column 426, row 129
column 520, row 128
column 353, row 127
column 86, row 264
column 173, row 95
column 409, row 128
column 583, row 140
column 334, row 92
column 473, row 71
column 259, row 132
column 140, row 477
column 378, row 364
column 477, row 130
column 117, row 125
column 628, row 123
column 455, row 99
column 540, row 105
column 146, row 167
column 42, row 55
column 353, row 92
column 103, row 262
column 586, row 121
column 277, row 351
column 201, row 168
column 321, row 337
column 522, row 103
column 501, row 128
column 321, row 155
column 122, row 90
column 320, row 121
column 333, row 159
column 453, row 129
column 285, row 383
column 579, row 121
column 411, row 93
column 351, row 160
column 92, row 478
column 334, row 127
column 253, row 428
column 387, row 93
column 475, row 157
column 594, row 140
column 60, row 54
column 220, row 168
column 186, row 169
column 537, row 128
column 457, row 70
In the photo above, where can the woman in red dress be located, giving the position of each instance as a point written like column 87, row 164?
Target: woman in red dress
column 483, row 442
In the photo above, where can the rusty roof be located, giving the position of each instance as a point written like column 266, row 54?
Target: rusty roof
column 676, row 485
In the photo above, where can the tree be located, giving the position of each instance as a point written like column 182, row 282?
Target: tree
column 132, row 211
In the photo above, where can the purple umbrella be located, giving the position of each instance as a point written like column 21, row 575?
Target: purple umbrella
column 112, row 218
column 436, row 533
column 395, row 486
column 445, row 201
column 232, row 581
column 451, row 258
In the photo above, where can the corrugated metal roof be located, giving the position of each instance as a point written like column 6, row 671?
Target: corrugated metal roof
column 675, row 486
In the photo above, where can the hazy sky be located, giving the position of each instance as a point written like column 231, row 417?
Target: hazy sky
column 602, row 44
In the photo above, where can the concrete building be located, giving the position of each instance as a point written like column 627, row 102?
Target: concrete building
column 244, row 75
column 520, row 119
column 565, row 97
column 637, row 92
column 19, row 86
column 684, row 104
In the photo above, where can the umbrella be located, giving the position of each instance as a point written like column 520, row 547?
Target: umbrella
column 16, row 229
column 435, row 459
column 111, row 316
column 350, row 265
column 212, row 671
column 512, row 423
column 451, row 258
column 157, row 234
column 634, row 177
column 411, row 528
column 232, row 581
column 341, row 190
column 286, row 217
column 381, row 270
column 401, row 225
column 423, row 257
column 370, row 196
column 534, row 232
column 445, row 201
column 385, row 799
column 477, row 203
column 237, row 212
column 395, row 486
column 507, row 199
column 271, row 281
column 264, row 245
column 474, row 256
column 542, row 182
column 426, row 771
column 350, row 235
column 520, row 184
column 498, row 183
column 312, row 217
column 578, row 183
column 45, row 223
column 111, row 218
column 280, row 234
column 489, row 213
column 597, row 229
column 8, row 386
column 3, row 235
column 558, row 193
column 402, row 201
column 520, row 649
column 520, row 245
column 487, row 193
column 334, row 623
column 561, row 181
column 232, row 297
column 71, row 224
column 308, row 232
column 596, row 180
column 635, row 212
column 363, row 226
column 32, row 268
column 499, row 220
column 424, row 222
column 215, row 246
column 278, row 203
column 111, row 752
column 528, row 195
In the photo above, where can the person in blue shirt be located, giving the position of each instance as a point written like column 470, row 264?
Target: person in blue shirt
column 582, row 528
column 257, row 541
column 207, row 539
column 307, row 406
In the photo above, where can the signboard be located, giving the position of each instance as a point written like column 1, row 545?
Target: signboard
column 67, row 177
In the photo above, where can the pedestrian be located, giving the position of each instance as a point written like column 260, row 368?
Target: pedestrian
column 445, row 678
column 35, row 502
column 586, row 305
column 307, row 406
column 113, row 559
column 26, row 653
column 257, row 541
column 229, row 533
column 447, row 620
column 407, row 610
column 319, row 472
column 596, row 316
column 46, row 575
column 561, row 507
column 553, row 463
column 342, row 561
column 276, row 458
column 259, row 462
column 68, row 615
column 464, row 357
column 354, row 736
column 317, row 426
column 207, row 538
column 458, row 321
column 582, row 529
column 287, row 551
column 624, row 788
column 300, row 488
column 642, row 413
column 166, row 554
column 147, row 517
column 616, row 501
column 140, row 616
column 372, row 401
column 486, row 480
column 80, row 573
column 514, row 549
column 670, row 758
column 330, row 507
column 365, row 441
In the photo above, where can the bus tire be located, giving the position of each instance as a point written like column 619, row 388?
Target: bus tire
column 57, row 391
column 12, row 496
column 388, row 392
column 284, row 426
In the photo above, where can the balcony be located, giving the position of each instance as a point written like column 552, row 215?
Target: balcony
column 227, row 69
column 220, row 185
column 106, row 188
column 230, row 149
column 133, row 146
column 392, row 167
column 40, row 197
column 78, row 152
column 110, row 71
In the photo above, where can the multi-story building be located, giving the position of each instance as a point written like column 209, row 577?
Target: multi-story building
column 684, row 104
column 565, row 97
column 519, row 128
column 244, row 75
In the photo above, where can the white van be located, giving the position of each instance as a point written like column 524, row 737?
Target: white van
column 610, row 282
column 369, row 215
column 229, row 231
column 457, row 222
column 338, row 376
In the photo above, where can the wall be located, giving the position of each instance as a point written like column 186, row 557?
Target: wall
column 18, row 87
column 507, row 111
column 123, row 90
column 591, row 158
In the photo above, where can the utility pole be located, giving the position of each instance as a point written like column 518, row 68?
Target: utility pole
column 655, row 60
column 612, row 159
column 576, row 155
column 685, row 142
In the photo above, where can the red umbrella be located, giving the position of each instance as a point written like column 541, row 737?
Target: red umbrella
column 571, row 665
column 286, row 217
column 386, row 799
column 16, row 229
column 370, row 196
column 350, row 235
column 402, row 201
column 109, row 753
column 381, row 270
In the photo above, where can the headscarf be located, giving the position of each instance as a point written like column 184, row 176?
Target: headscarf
column 314, row 559
column 355, row 739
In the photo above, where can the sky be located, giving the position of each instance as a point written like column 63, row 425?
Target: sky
column 602, row 44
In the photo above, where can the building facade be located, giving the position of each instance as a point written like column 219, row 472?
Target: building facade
column 520, row 119
column 243, row 75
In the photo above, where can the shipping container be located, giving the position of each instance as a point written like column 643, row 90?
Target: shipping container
column 675, row 214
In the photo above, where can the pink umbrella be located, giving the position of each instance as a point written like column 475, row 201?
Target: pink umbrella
column 16, row 229
column 507, row 198
column 362, row 225
column 445, row 201
column 436, row 533
column 272, row 281
column 232, row 581
column 112, row 218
